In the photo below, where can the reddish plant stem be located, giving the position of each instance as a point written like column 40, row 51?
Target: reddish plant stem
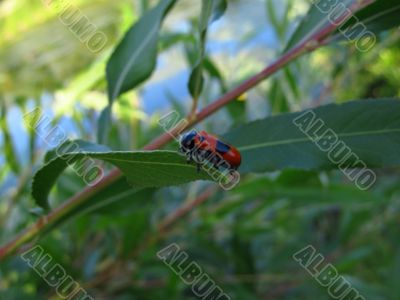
column 314, row 42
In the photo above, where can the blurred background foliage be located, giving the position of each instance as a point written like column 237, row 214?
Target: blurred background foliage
column 244, row 239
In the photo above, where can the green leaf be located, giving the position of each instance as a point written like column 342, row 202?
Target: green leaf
column 134, row 59
column 279, row 21
column 214, row 72
column 142, row 168
column 170, row 39
column 196, row 82
column 313, row 22
column 47, row 176
column 378, row 16
column 278, row 98
column 211, row 11
column 9, row 148
column 103, row 125
column 371, row 128
column 218, row 9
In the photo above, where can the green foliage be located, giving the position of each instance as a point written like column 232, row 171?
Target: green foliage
column 53, row 62
column 142, row 168
column 106, row 236
column 134, row 59
column 271, row 144
column 313, row 21
column 9, row 150
column 211, row 11
column 377, row 17
column 291, row 140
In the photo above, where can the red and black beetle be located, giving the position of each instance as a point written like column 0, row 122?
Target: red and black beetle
column 203, row 147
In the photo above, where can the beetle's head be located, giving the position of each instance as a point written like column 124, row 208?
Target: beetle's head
column 188, row 140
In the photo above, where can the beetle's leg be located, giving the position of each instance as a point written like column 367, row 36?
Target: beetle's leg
column 189, row 159
column 218, row 162
column 203, row 156
column 198, row 156
column 213, row 160
column 208, row 157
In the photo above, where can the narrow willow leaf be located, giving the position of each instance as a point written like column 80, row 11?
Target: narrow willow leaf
column 170, row 39
column 278, row 98
column 141, row 168
column 313, row 22
column 376, row 17
column 103, row 125
column 196, row 82
column 215, row 73
column 279, row 21
column 211, row 11
column 134, row 59
column 370, row 128
column 218, row 10
column 8, row 145
column 54, row 166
